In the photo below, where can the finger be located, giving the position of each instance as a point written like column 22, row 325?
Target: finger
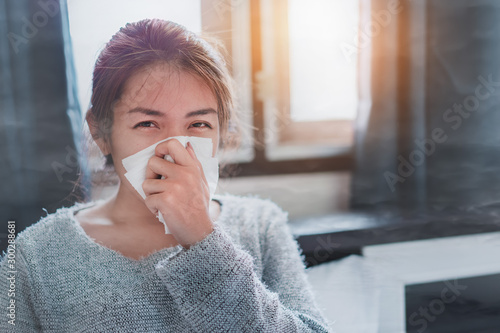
column 154, row 186
column 158, row 167
column 190, row 149
column 153, row 202
column 176, row 150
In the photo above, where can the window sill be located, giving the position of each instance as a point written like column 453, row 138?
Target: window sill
column 300, row 152
column 259, row 167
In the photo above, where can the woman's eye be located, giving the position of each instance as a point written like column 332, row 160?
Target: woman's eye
column 145, row 124
column 201, row 125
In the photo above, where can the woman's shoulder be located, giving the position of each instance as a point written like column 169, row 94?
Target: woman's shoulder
column 53, row 227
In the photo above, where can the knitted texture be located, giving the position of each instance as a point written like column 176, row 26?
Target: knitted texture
column 248, row 275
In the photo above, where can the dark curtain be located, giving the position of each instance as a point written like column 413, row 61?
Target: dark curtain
column 40, row 120
column 428, row 129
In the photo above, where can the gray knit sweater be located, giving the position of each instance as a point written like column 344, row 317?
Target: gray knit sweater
column 248, row 275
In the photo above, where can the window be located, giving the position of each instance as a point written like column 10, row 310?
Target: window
column 304, row 89
column 313, row 95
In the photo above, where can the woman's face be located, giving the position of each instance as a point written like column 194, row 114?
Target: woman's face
column 157, row 103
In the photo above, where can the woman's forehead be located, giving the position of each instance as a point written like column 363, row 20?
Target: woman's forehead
column 162, row 86
column 151, row 76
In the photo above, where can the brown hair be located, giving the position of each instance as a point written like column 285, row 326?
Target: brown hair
column 150, row 41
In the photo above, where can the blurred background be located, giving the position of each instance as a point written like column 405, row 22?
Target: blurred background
column 374, row 123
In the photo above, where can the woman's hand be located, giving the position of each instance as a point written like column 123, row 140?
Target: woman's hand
column 183, row 197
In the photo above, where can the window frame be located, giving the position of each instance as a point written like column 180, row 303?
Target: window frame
column 293, row 133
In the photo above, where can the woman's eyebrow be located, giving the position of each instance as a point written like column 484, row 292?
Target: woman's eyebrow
column 147, row 112
column 200, row 112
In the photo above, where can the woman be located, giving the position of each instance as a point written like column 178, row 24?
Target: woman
column 228, row 265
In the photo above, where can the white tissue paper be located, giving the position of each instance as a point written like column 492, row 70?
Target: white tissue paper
column 136, row 165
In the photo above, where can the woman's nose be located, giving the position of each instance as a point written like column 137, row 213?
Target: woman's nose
column 174, row 130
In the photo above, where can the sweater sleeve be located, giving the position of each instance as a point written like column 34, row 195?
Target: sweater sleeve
column 216, row 289
column 16, row 303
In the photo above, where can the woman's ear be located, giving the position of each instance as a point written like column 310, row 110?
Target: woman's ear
column 97, row 133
